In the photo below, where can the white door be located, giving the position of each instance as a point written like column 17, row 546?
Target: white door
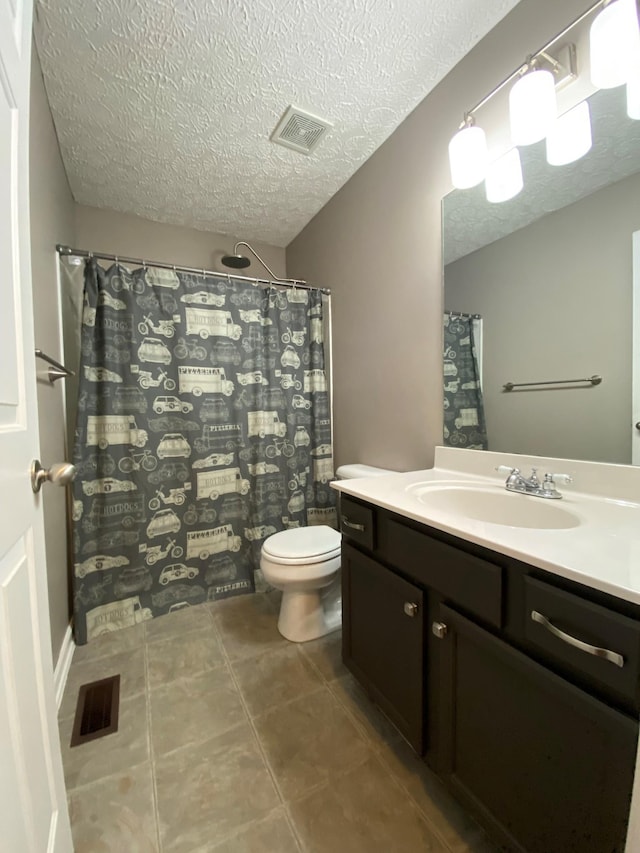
column 33, row 810
column 635, row 358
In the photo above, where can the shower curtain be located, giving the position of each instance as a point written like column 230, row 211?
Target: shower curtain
column 203, row 427
column 464, row 421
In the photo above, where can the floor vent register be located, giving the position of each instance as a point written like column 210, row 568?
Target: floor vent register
column 97, row 710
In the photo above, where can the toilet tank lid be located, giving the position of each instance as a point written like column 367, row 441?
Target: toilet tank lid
column 352, row 472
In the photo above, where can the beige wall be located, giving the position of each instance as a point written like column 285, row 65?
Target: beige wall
column 377, row 245
column 556, row 303
column 52, row 221
column 124, row 234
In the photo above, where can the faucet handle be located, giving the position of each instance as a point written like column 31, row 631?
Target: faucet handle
column 562, row 478
column 507, row 469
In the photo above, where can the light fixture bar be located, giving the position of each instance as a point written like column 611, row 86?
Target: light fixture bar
column 541, row 52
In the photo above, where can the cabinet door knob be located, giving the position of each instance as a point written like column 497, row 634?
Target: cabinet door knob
column 439, row 630
column 410, row 608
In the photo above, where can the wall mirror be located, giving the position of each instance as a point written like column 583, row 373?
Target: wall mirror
column 551, row 274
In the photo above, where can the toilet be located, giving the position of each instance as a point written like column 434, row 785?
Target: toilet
column 304, row 562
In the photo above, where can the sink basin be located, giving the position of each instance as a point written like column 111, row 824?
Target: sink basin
column 494, row 506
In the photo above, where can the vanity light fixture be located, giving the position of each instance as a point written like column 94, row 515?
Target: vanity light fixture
column 468, row 156
column 532, row 104
column 570, row 136
column 504, row 177
column 615, row 59
column 614, row 44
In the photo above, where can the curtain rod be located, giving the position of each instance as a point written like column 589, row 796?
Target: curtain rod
column 455, row 314
column 296, row 284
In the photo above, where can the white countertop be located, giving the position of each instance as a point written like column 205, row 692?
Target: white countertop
column 602, row 551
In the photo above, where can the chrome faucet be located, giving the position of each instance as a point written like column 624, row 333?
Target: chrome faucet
column 531, row 485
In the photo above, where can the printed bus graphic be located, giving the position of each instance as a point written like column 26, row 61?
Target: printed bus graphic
column 116, row 615
column 208, row 322
column 323, row 469
column 219, row 437
column 104, row 430
column 121, row 510
column 265, row 423
column 200, row 380
column 314, row 380
column 322, row 515
column 212, row 484
column 203, row 543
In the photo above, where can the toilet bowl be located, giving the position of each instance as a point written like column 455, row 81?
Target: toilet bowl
column 304, row 562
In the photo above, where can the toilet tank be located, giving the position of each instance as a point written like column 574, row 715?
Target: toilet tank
column 352, row 472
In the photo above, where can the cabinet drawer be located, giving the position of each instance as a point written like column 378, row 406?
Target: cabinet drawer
column 357, row 522
column 587, row 639
column 471, row 583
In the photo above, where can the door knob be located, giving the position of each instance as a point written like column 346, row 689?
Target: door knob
column 638, row 425
column 60, row 474
column 410, row 608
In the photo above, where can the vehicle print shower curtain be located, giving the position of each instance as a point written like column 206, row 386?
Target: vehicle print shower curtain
column 464, row 421
column 203, row 427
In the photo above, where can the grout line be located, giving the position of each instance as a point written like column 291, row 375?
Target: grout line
column 258, row 740
column 374, row 743
column 152, row 757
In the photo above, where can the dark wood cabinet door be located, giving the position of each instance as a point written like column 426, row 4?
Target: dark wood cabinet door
column 383, row 640
column 544, row 765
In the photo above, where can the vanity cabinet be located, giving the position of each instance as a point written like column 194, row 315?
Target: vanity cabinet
column 383, row 640
column 532, row 726
column 543, row 764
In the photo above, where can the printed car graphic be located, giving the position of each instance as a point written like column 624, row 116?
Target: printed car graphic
column 176, row 571
column 164, row 521
column 108, row 301
column 203, row 297
column 171, row 404
column 169, row 471
column 101, row 374
column 98, row 564
column 106, row 485
column 179, row 592
column 173, row 445
column 153, row 350
column 212, row 460
column 173, row 424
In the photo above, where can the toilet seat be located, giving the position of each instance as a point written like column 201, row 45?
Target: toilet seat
column 303, row 545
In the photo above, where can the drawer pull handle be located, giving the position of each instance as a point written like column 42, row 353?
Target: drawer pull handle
column 352, row 525
column 410, row 609
column 612, row 657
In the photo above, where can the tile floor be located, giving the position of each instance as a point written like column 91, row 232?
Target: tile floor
column 232, row 740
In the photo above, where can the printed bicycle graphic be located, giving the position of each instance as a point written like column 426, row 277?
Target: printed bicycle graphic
column 136, row 460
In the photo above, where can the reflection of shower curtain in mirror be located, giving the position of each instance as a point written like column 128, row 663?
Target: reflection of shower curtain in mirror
column 203, row 427
column 464, row 423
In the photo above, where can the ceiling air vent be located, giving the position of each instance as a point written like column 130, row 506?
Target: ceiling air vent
column 300, row 130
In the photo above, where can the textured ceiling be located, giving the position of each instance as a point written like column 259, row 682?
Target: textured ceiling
column 471, row 222
column 164, row 109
